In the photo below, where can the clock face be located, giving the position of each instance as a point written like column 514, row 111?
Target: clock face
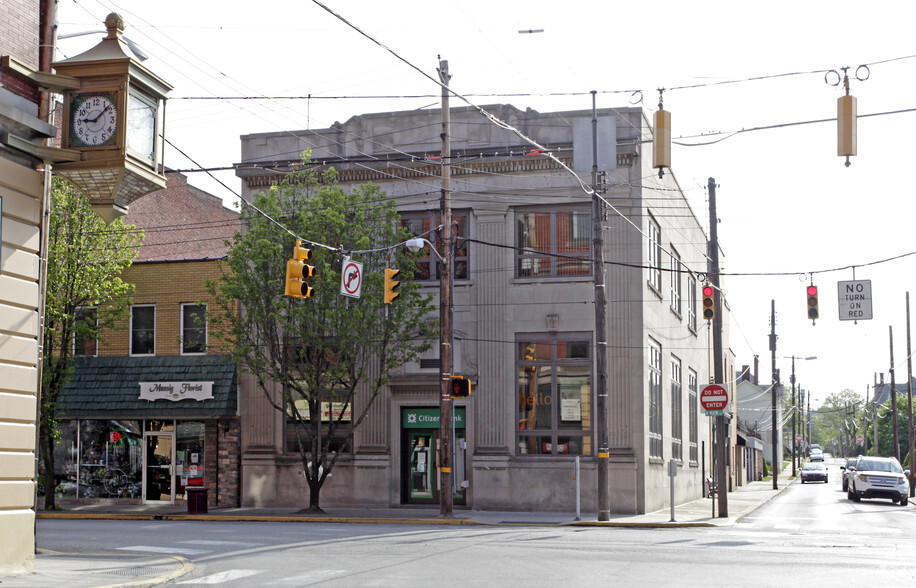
column 94, row 120
column 141, row 124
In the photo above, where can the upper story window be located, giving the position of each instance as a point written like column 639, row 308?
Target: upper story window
column 692, row 302
column 675, row 282
column 143, row 330
column 422, row 223
column 85, row 325
column 553, row 243
column 655, row 255
column 655, row 400
column 193, row 328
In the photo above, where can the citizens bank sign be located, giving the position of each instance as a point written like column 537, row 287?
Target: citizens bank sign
column 176, row 390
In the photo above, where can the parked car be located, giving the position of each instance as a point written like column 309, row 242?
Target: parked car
column 848, row 470
column 816, row 455
column 812, row 472
column 879, row 477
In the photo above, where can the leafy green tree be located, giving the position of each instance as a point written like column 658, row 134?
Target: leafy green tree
column 834, row 424
column 886, row 429
column 328, row 353
column 85, row 296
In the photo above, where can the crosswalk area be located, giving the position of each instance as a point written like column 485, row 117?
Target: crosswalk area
column 199, row 549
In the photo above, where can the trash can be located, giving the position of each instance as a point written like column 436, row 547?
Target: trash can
column 197, row 499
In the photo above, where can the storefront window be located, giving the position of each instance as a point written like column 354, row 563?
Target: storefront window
column 189, row 455
column 65, row 462
column 554, row 397
column 110, row 459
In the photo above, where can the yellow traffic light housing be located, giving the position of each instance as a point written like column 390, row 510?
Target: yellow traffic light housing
column 297, row 271
column 709, row 302
column 460, row 387
column 813, row 313
column 391, row 285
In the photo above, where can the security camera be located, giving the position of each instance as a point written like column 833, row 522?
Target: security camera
column 414, row 244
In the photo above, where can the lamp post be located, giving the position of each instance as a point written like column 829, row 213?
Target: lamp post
column 795, row 409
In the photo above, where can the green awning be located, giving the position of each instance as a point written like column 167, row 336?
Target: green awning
column 106, row 387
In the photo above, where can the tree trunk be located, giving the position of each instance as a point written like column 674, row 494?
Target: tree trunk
column 46, row 443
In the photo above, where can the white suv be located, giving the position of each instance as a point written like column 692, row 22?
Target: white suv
column 879, row 477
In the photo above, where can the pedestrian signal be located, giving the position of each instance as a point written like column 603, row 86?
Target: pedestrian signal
column 460, row 387
column 709, row 303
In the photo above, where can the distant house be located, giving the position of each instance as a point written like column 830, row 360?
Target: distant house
column 755, row 414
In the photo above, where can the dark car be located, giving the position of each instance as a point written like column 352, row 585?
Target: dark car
column 814, row 472
column 848, row 470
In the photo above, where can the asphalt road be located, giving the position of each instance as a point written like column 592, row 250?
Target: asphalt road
column 809, row 534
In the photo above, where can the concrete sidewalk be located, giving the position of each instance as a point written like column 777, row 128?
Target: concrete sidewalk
column 125, row 569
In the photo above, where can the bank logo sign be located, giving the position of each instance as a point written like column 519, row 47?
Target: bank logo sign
column 428, row 418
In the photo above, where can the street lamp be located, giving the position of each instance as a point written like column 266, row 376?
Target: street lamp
column 795, row 408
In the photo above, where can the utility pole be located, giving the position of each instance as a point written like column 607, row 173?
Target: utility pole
column 604, row 490
column 909, row 396
column 445, row 308
column 773, row 390
column 721, row 433
column 894, row 398
column 794, row 406
column 874, row 406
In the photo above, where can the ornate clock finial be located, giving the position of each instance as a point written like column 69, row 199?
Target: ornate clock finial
column 114, row 22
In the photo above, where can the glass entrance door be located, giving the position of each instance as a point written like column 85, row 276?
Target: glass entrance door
column 157, row 473
column 422, row 466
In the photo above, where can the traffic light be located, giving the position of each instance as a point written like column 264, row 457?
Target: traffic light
column 812, row 302
column 297, row 271
column 391, row 285
column 461, row 387
column 709, row 303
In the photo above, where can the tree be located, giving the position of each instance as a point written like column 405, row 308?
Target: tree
column 834, row 424
column 85, row 296
column 886, row 429
column 321, row 360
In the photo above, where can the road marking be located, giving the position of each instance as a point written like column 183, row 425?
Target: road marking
column 220, row 577
column 170, row 549
column 311, row 577
column 218, row 543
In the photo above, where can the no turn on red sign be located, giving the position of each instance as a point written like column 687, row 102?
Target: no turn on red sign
column 714, row 398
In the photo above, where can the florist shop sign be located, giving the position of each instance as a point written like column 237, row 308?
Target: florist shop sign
column 176, row 391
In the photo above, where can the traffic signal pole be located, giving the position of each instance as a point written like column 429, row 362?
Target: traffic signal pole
column 721, row 432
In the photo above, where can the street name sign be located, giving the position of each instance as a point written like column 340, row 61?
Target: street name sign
column 854, row 300
column 714, row 399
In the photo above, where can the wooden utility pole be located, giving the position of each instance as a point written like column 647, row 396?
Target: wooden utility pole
column 445, row 308
column 794, row 406
column 894, row 398
column 721, row 434
column 604, row 491
column 773, row 390
column 909, row 396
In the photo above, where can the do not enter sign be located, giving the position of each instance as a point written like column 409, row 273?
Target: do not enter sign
column 714, row 397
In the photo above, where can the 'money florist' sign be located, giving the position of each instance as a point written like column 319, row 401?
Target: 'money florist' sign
column 176, row 390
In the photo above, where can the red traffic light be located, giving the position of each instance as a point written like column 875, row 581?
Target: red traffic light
column 813, row 312
column 707, row 290
column 812, row 290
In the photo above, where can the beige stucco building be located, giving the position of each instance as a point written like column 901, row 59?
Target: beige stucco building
column 22, row 196
column 524, row 315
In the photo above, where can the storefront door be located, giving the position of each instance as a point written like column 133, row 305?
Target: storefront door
column 420, row 455
column 158, row 473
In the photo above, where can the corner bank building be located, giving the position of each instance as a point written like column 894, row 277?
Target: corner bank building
column 524, row 317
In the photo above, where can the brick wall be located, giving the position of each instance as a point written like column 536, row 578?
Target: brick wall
column 20, row 39
column 167, row 286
